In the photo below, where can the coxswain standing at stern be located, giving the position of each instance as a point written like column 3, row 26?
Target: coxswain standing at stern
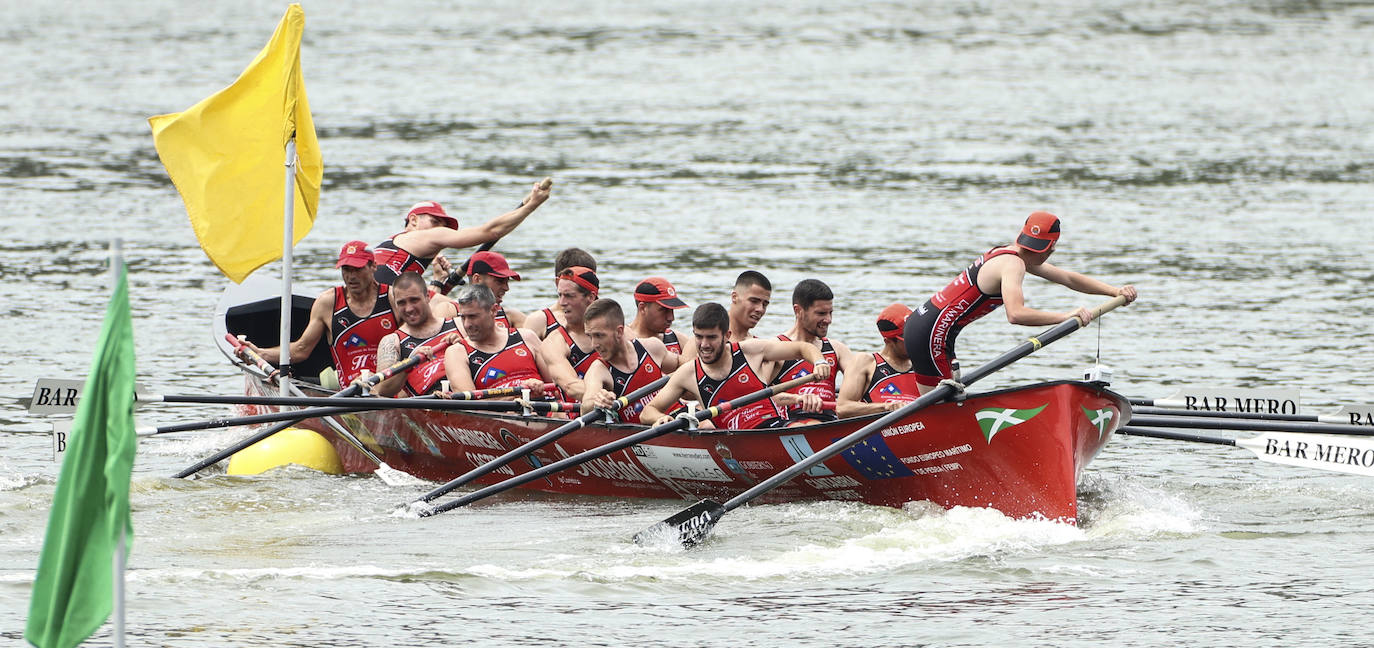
column 418, row 332
column 994, row 279
column 429, row 229
column 353, row 318
column 624, row 363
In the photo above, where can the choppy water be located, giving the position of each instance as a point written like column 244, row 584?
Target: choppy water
column 1219, row 155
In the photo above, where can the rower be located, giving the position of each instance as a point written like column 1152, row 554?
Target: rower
column 361, row 310
column 419, row 329
column 493, row 271
column 725, row 370
column 992, row 280
column 429, row 229
column 883, row 381
column 624, row 364
column 655, row 301
column 551, row 319
column 748, row 302
column 813, row 308
column 491, row 356
column 569, row 353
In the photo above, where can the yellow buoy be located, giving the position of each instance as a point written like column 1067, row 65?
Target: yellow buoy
column 290, row 446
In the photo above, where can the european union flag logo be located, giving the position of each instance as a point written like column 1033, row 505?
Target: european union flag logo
column 355, row 340
column 891, row 389
column 874, row 460
column 493, row 374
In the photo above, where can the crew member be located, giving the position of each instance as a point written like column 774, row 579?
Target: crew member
column 655, row 301
column 569, row 353
column 491, row 356
column 353, row 317
column 624, row 363
column 992, row 280
column 550, row 319
column 748, row 302
column 491, row 270
column 725, row 370
column 419, row 331
column 883, row 381
column 429, row 229
column 813, row 308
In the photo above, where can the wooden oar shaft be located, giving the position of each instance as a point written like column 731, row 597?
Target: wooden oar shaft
column 619, row 444
column 263, row 365
column 1199, row 423
column 1259, row 416
column 541, row 441
column 498, row 392
column 1133, row 430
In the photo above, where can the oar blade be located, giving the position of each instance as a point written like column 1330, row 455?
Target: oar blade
column 687, row 527
column 1354, row 455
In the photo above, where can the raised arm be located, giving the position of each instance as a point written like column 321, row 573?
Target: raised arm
column 442, row 237
column 1081, row 282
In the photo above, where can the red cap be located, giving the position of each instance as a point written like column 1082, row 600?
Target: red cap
column 491, row 263
column 431, row 208
column 659, row 291
column 892, row 320
column 1040, row 231
column 355, row 254
column 582, row 276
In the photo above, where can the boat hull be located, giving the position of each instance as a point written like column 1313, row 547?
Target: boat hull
column 1021, row 451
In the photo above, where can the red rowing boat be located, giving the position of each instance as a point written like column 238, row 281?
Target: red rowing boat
column 1020, row 451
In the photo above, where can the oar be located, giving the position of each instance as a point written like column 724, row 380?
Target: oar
column 600, row 451
column 1251, row 425
column 1322, row 452
column 364, row 405
column 357, row 387
column 320, row 401
column 691, row 525
column 1254, row 416
column 459, row 277
column 543, row 440
column 390, row 476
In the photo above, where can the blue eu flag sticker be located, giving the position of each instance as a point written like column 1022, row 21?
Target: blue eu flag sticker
column 874, row 460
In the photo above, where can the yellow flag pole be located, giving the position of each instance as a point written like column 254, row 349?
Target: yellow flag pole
column 288, row 222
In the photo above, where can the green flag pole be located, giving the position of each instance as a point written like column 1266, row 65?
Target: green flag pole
column 75, row 585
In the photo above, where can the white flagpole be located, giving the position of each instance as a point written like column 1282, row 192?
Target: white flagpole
column 288, row 223
column 117, row 263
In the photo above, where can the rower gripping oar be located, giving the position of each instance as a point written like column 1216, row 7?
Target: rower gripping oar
column 682, row 421
column 357, row 387
column 694, row 523
column 541, row 441
column 1322, row 452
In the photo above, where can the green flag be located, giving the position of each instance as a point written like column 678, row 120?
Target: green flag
column 72, row 593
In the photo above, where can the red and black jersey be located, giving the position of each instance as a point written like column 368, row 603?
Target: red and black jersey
column 353, row 339
column 392, row 261
column 740, row 381
column 501, row 319
column 889, row 384
column 646, row 371
column 794, row 369
column 512, row 364
column 670, row 341
column 552, row 325
column 931, row 329
column 424, row 378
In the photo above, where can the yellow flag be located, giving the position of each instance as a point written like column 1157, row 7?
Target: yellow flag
column 226, row 154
